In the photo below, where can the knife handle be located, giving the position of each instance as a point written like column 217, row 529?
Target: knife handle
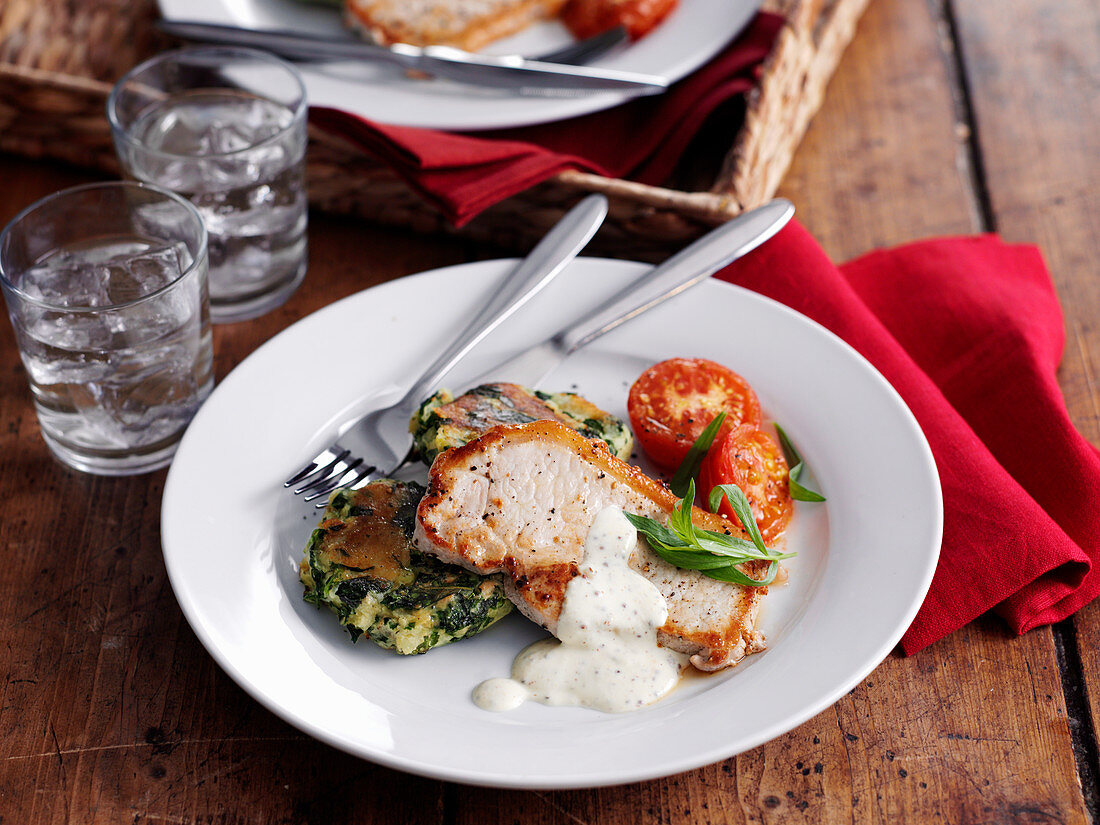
column 686, row 268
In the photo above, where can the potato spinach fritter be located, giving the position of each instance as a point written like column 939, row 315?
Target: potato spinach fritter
column 361, row 562
column 444, row 421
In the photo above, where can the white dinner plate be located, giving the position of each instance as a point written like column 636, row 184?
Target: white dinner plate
column 690, row 36
column 233, row 537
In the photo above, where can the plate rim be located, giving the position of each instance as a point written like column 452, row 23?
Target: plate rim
column 871, row 659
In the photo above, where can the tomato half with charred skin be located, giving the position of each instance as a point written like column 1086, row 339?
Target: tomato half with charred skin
column 751, row 459
column 672, row 402
column 587, row 18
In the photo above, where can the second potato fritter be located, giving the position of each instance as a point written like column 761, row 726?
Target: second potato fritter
column 443, row 421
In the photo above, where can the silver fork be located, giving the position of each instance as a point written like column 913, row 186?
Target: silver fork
column 587, row 50
column 383, row 434
column 692, row 265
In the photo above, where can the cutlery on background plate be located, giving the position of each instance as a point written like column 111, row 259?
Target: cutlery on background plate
column 587, row 50
column 549, row 257
column 383, row 436
column 513, row 72
column 576, row 53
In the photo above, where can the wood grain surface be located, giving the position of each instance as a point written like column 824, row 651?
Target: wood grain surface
column 1041, row 172
column 946, row 116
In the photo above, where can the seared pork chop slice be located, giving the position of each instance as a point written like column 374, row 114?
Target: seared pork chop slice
column 464, row 24
column 519, row 500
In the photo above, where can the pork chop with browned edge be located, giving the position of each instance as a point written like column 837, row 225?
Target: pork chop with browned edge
column 519, row 501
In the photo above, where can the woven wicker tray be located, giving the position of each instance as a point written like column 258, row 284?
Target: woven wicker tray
column 58, row 59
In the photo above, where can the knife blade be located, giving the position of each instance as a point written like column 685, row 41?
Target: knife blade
column 688, row 267
column 511, row 72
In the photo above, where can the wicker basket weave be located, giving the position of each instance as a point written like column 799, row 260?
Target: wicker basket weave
column 58, row 59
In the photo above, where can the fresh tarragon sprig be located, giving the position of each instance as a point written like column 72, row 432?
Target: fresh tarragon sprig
column 689, row 467
column 799, row 491
column 713, row 554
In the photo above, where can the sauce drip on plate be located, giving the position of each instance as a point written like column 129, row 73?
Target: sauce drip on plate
column 607, row 658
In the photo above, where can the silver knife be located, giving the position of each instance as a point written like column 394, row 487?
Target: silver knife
column 690, row 266
column 504, row 72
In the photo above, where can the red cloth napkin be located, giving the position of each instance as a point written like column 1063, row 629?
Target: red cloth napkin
column 463, row 174
column 969, row 331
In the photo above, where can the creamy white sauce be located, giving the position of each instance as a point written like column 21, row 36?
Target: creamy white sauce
column 500, row 694
column 606, row 655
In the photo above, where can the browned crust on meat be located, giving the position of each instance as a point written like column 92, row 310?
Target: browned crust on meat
column 538, row 590
column 542, row 586
column 457, row 23
column 595, row 452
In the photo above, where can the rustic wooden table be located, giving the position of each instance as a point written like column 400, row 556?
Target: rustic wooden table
column 946, row 116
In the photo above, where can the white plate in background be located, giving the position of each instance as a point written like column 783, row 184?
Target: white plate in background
column 690, row 36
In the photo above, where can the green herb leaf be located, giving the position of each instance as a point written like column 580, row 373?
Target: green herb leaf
column 713, row 554
column 799, row 492
column 654, row 532
column 735, row 576
column 740, row 504
column 689, row 467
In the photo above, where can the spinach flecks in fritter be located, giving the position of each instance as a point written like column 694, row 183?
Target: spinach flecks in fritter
column 353, row 591
column 464, row 611
column 361, row 563
column 340, row 501
column 316, row 573
column 594, row 425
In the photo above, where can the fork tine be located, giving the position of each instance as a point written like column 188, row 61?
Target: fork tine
column 325, row 472
column 323, row 491
column 329, row 482
column 362, row 475
column 315, row 467
column 582, row 51
column 340, row 480
column 305, row 472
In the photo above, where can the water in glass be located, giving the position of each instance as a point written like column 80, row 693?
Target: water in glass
column 234, row 155
column 126, row 377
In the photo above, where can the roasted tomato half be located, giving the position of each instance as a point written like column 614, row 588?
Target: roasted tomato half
column 753, row 460
column 586, row 18
column 672, row 402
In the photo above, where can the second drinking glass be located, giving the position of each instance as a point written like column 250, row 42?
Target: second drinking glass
column 226, row 128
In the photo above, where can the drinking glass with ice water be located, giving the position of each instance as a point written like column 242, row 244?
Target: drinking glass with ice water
column 106, row 288
column 225, row 128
